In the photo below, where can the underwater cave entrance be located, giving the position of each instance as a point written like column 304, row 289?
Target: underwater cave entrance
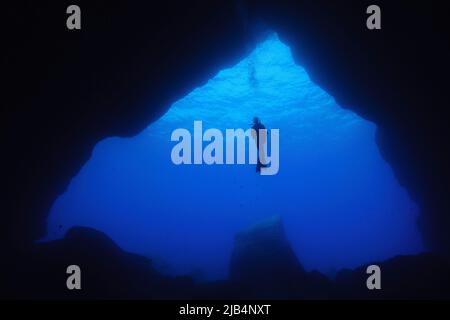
column 339, row 200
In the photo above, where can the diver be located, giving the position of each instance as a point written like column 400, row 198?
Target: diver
column 260, row 140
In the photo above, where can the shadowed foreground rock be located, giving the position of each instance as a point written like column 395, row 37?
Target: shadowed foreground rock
column 263, row 266
column 107, row 272
column 424, row 276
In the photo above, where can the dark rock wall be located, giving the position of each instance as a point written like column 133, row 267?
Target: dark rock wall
column 65, row 91
column 394, row 77
column 68, row 90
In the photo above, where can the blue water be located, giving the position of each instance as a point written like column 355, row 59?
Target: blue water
column 340, row 201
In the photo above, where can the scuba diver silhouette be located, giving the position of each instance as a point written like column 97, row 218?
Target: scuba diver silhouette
column 260, row 140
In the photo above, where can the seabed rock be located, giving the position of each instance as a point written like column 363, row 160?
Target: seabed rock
column 264, row 263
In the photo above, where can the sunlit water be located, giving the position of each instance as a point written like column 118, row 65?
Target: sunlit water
column 339, row 200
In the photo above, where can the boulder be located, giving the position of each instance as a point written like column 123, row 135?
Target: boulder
column 265, row 266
